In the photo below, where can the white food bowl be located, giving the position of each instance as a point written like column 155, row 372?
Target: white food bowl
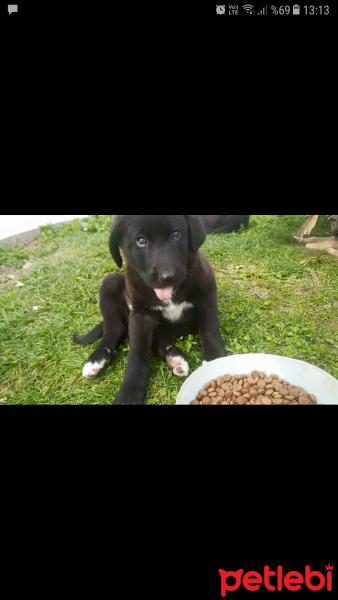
column 296, row 372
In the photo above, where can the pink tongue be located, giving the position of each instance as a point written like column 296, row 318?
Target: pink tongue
column 164, row 293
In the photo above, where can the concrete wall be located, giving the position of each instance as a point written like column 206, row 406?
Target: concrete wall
column 22, row 229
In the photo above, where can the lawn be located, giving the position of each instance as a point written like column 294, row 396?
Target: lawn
column 275, row 296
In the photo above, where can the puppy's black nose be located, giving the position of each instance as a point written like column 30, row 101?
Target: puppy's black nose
column 166, row 277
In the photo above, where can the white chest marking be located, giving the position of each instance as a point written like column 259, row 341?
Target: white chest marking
column 173, row 312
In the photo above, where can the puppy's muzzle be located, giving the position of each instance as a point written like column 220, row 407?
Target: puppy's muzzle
column 167, row 278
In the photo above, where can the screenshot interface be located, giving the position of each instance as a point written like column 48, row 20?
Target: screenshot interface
column 217, row 11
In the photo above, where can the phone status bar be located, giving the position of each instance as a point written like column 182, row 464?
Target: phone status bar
column 135, row 10
column 273, row 10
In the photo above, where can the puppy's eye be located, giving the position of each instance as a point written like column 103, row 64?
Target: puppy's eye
column 175, row 235
column 141, row 242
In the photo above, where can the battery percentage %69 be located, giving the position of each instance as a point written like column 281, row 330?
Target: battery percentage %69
column 281, row 10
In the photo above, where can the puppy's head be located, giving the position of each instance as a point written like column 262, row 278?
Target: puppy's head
column 157, row 247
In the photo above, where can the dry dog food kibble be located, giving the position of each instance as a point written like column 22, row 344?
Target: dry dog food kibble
column 255, row 388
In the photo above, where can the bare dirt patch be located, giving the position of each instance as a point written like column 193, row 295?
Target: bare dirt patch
column 8, row 275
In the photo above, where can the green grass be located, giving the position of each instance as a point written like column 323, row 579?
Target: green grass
column 272, row 304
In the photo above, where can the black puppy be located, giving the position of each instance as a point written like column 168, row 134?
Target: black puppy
column 224, row 223
column 169, row 290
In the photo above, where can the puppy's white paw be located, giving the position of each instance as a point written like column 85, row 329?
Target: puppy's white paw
column 92, row 369
column 179, row 365
column 205, row 362
column 317, row 246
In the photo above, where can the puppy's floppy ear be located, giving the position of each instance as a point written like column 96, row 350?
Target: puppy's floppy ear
column 197, row 231
column 115, row 241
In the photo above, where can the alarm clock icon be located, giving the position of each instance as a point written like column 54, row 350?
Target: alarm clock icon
column 220, row 9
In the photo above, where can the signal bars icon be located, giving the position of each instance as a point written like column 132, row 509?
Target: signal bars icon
column 264, row 11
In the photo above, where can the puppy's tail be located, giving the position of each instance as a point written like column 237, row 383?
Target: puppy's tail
column 95, row 334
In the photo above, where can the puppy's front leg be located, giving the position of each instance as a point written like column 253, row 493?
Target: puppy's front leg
column 210, row 332
column 134, row 387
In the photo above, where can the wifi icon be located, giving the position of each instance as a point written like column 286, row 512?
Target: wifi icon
column 248, row 8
